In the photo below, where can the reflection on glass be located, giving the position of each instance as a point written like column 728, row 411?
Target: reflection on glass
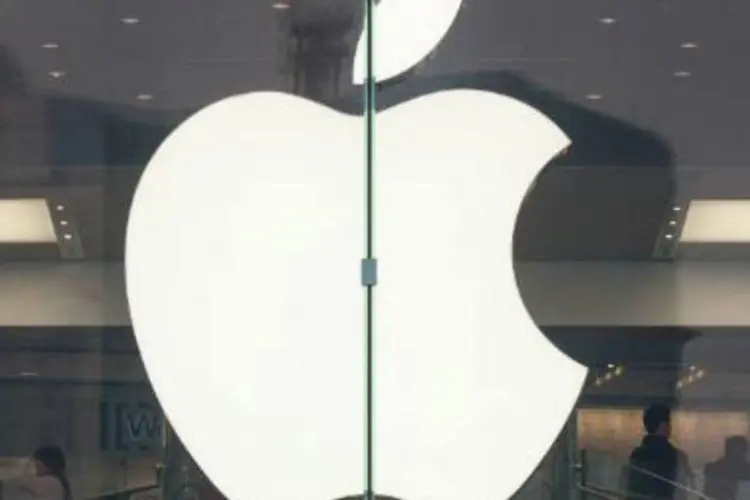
column 87, row 93
column 604, row 256
column 650, row 95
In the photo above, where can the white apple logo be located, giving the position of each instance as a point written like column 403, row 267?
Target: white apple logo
column 242, row 263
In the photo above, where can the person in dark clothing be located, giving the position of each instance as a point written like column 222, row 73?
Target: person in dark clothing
column 724, row 475
column 657, row 465
column 49, row 481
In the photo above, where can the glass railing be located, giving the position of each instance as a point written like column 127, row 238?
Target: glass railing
column 604, row 475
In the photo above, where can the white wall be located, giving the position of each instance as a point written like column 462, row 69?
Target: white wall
column 560, row 294
column 690, row 294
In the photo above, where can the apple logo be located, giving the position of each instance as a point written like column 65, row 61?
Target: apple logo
column 244, row 242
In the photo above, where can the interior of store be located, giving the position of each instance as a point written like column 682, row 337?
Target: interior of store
column 616, row 258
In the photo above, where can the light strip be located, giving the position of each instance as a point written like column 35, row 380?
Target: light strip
column 717, row 221
column 26, row 220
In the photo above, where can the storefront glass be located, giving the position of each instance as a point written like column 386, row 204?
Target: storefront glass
column 651, row 97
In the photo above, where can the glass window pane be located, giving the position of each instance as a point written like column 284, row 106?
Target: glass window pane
column 650, row 101
column 89, row 92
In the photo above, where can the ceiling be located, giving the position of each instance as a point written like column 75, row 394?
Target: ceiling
column 651, row 94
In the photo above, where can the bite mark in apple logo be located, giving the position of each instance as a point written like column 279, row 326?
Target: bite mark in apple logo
column 243, row 245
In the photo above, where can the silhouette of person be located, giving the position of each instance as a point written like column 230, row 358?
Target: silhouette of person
column 723, row 476
column 656, row 465
column 48, row 483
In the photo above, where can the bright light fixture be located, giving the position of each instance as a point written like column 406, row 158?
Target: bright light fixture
column 280, row 5
column 717, row 221
column 130, row 20
column 26, row 221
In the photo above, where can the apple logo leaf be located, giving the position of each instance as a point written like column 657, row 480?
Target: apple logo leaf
column 405, row 32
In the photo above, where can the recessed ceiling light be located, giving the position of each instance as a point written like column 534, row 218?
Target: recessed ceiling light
column 50, row 46
column 594, row 97
column 608, row 20
column 280, row 5
column 63, row 223
column 57, row 74
column 717, row 221
column 682, row 74
column 60, row 208
column 689, row 45
column 68, row 236
column 26, row 220
column 130, row 20
column 144, row 97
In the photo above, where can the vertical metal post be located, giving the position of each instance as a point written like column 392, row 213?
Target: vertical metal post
column 174, row 462
column 571, row 450
column 369, row 159
column 583, row 468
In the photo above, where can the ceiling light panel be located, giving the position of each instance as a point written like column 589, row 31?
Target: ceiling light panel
column 717, row 221
column 26, row 221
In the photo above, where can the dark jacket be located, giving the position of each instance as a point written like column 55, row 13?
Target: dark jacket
column 657, row 456
column 724, row 476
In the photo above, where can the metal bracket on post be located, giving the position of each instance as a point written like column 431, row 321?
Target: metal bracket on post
column 369, row 272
